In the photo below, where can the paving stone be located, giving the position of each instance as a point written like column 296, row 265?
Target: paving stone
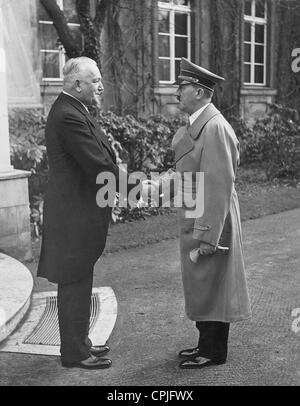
column 152, row 328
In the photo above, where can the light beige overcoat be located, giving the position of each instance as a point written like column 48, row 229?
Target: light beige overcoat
column 215, row 287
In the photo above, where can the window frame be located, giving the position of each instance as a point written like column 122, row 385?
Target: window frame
column 60, row 50
column 173, row 8
column 253, row 20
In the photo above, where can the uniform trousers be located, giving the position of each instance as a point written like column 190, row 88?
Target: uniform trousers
column 74, row 303
column 213, row 340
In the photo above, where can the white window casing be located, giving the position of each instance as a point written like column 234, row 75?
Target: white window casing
column 58, row 50
column 255, row 22
column 172, row 9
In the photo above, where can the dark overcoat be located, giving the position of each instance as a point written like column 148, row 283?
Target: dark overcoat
column 215, row 287
column 74, row 228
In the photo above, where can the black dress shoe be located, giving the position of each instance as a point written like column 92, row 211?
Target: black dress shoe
column 199, row 362
column 189, row 353
column 99, row 350
column 89, row 363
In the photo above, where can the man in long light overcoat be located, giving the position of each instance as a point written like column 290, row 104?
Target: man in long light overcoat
column 214, row 282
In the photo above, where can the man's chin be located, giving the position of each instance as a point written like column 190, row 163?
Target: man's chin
column 181, row 107
column 97, row 101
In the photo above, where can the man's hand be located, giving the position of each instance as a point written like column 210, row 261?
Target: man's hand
column 206, row 249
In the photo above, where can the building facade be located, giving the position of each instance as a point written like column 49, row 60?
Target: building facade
column 142, row 43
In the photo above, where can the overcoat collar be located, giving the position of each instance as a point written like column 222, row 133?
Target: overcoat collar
column 197, row 126
column 99, row 134
column 184, row 145
column 187, row 136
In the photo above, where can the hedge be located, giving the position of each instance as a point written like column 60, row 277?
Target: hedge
column 272, row 143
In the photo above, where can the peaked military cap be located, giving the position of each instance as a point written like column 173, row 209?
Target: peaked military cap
column 192, row 73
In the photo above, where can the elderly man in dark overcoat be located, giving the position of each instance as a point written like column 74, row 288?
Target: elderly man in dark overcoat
column 214, row 282
column 75, row 227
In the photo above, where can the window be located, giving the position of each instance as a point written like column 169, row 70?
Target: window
column 174, row 37
column 52, row 52
column 255, row 42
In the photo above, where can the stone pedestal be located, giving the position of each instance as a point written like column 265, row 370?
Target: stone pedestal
column 15, row 236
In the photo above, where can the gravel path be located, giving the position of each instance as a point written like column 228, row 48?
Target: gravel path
column 151, row 326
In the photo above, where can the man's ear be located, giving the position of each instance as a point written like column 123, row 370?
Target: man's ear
column 200, row 93
column 77, row 85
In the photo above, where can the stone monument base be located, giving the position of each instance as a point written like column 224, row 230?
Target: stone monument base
column 15, row 235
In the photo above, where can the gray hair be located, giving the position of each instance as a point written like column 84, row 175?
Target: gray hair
column 75, row 65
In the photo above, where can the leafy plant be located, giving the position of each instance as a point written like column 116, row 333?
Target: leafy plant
column 146, row 143
column 36, row 215
column 27, row 142
column 273, row 142
column 28, row 152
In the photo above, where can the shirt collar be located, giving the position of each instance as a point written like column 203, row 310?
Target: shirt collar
column 68, row 94
column 197, row 113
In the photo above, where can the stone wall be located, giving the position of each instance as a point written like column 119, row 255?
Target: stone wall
column 15, row 238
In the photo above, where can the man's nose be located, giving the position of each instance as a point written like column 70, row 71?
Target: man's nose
column 178, row 91
column 101, row 87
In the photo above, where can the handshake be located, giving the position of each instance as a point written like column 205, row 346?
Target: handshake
column 156, row 189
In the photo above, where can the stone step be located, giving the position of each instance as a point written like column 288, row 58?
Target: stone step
column 39, row 333
column 16, row 286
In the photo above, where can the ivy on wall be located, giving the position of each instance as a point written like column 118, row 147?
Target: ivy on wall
column 225, row 52
column 120, row 38
column 288, row 82
column 128, row 55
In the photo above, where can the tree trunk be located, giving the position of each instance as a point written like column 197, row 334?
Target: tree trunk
column 116, row 56
column 101, row 11
column 225, row 53
column 90, row 29
column 61, row 26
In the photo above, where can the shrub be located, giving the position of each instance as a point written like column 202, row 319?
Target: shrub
column 146, row 142
column 272, row 142
column 28, row 152
column 144, row 145
column 27, row 147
